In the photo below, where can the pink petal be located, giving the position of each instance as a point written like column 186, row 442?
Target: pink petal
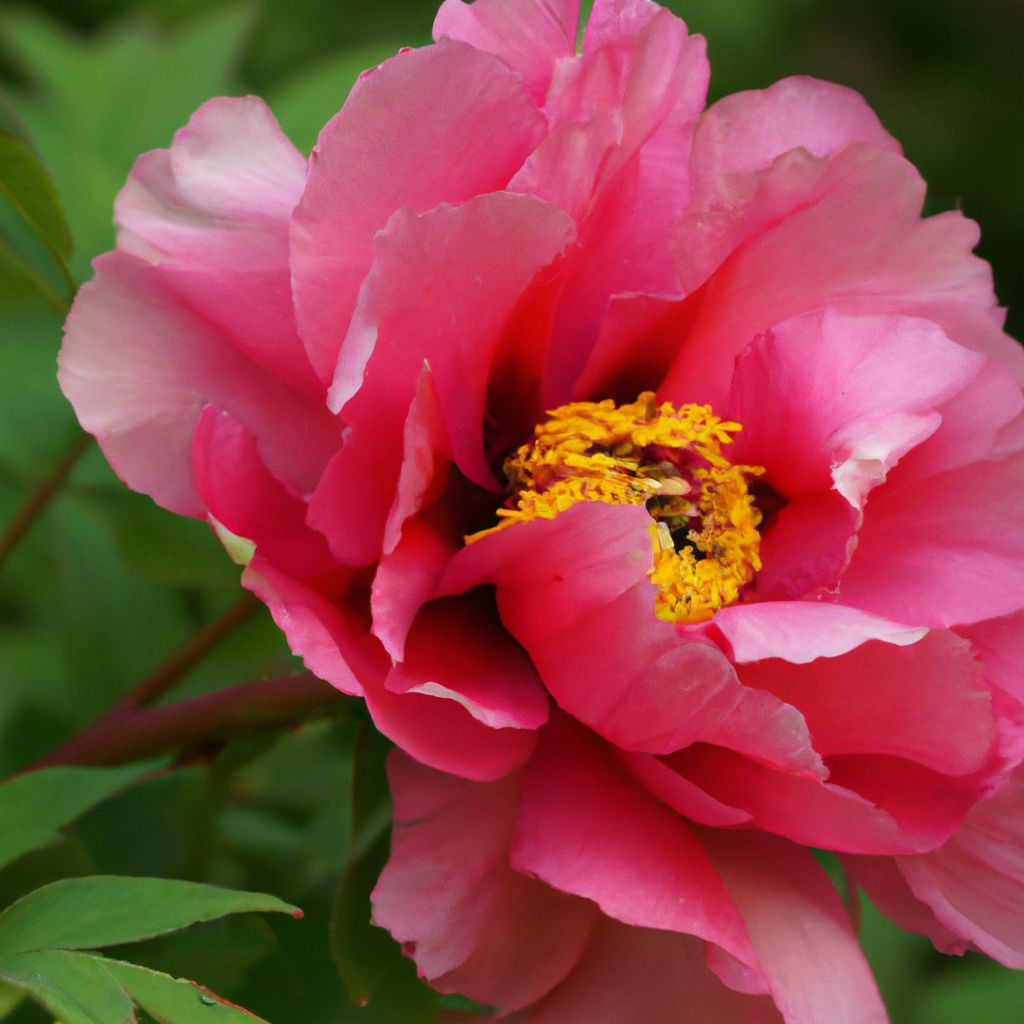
column 890, row 262
column 945, row 551
column 804, row 941
column 642, row 976
column 528, row 36
column 999, row 643
column 975, row 883
column 743, row 133
column 331, row 643
column 680, row 793
column 480, row 257
column 240, row 493
column 921, row 702
column 438, row 125
column 653, row 874
column 574, row 592
column 800, row 631
column 830, row 400
column 806, row 548
column 140, row 366
column 213, row 212
column 458, row 650
column 881, row 879
column 472, row 924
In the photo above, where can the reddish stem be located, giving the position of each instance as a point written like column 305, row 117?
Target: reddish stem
column 196, row 725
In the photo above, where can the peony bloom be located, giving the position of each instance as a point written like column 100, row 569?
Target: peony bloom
column 654, row 474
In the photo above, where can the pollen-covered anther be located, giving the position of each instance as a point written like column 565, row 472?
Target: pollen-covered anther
column 704, row 533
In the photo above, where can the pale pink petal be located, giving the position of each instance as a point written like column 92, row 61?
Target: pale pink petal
column 800, row 631
column 889, row 261
column 652, row 874
column 829, row 400
column 213, row 212
column 946, row 551
column 529, row 36
column 923, row 702
column 140, row 367
column 882, row 880
column 458, row 650
column 438, row 125
column 742, row 134
column 472, row 924
column 240, row 493
column 643, row 976
column 805, row 943
column 574, row 592
column 975, row 883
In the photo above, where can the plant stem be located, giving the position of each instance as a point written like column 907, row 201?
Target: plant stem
column 196, row 725
column 43, row 494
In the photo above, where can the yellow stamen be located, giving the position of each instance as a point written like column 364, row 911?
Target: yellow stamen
column 704, row 530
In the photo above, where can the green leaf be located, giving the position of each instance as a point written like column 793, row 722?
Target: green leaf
column 34, row 806
column 27, row 186
column 69, row 986
column 174, row 1000
column 105, row 910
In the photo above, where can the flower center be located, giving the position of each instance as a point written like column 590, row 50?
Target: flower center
column 704, row 528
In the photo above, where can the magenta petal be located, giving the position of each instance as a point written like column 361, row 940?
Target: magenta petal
column 921, row 702
column 947, row 551
column 528, row 36
column 139, row 366
column 975, row 883
column 653, row 874
column 431, row 126
column 331, row 644
column 642, row 976
column 828, row 400
column 805, row 943
column 457, row 650
column 999, row 643
column 472, row 924
column 240, row 493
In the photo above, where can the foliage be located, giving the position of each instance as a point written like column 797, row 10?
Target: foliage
column 105, row 587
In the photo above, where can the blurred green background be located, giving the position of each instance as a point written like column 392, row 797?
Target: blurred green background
column 106, row 586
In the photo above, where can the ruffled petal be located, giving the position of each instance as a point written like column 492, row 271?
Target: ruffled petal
column 975, row 883
column 805, row 943
column 653, row 873
column 213, row 213
column 645, row 977
column 528, row 36
column 946, row 551
column 139, row 366
column 430, row 126
column 923, row 702
column 472, row 924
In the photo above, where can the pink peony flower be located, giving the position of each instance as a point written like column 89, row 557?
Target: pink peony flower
column 653, row 472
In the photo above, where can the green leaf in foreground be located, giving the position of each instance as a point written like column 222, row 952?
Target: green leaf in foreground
column 173, row 1000
column 34, row 806
column 70, row 986
column 103, row 910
